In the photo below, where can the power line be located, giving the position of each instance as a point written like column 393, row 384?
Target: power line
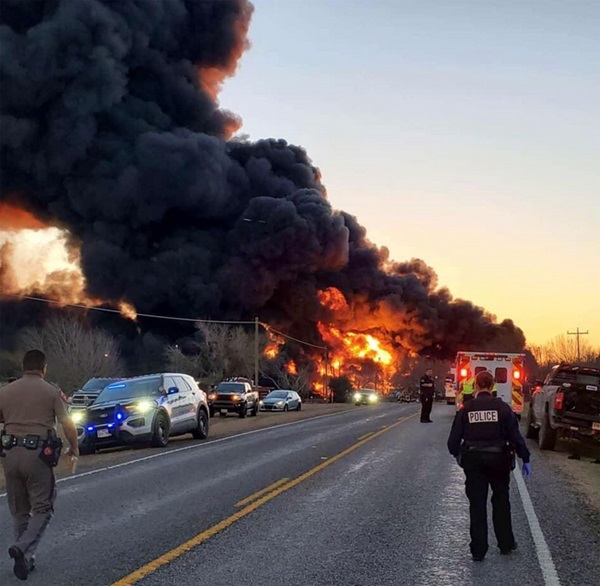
column 266, row 326
column 270, row 329
column 152, row 315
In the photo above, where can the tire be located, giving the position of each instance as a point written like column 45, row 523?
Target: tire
column 532, row 432
column 299, row 408
column 254, row 411
column 285, row 408
column 201, row 431
column 160, row 431
column 547, row 435
column 244, row 411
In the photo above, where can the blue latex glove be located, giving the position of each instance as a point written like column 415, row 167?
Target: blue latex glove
column 526, row 469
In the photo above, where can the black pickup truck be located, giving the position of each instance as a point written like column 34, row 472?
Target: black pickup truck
column 234, row 396
column 568, row 403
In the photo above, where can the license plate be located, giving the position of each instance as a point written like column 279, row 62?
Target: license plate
column 596, row 425
column 223, row 411
column 103, row 433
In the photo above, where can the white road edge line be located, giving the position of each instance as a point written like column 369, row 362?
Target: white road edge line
column 193, row 446
column 545, row 560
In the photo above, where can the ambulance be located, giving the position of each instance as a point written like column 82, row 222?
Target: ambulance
column 450, row 386
column 507, row 370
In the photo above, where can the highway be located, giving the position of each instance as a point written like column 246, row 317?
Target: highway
column 368, row 496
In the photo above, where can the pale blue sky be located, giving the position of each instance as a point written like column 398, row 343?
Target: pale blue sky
column 457, row 132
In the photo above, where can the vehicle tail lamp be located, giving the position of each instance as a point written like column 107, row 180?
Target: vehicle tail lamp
column 559, row 399
column 517, row 374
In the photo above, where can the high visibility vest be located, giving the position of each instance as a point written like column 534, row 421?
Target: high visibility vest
column 469, row 386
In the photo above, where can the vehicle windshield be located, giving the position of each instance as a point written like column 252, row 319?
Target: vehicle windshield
column 277, row 395
column 230, row 388
column 97, row 384
column 130, row 389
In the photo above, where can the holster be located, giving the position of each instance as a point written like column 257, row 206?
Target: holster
column 51, row 449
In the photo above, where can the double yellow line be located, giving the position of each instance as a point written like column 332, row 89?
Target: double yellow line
column 258, row 499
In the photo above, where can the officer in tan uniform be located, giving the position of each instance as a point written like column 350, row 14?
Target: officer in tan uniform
column 29, row 408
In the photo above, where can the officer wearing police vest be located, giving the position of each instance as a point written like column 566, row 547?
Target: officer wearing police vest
column 30, row 448
column 483, row 439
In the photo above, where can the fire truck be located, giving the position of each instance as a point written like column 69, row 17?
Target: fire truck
column 507, row 370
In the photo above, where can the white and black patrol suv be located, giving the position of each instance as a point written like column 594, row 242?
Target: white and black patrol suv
column 149, row 408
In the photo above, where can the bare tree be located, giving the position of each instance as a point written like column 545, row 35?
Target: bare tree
column 75, row 352
column 225, row 351
column 564, row 349
column 300, row 381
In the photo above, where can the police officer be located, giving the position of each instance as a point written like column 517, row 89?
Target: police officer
column 29, row 408
column 483, row 437
column 427, row 389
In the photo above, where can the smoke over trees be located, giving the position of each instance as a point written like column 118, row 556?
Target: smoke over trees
column 112, row 131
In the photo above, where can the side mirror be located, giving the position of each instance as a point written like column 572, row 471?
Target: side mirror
column 172, row 391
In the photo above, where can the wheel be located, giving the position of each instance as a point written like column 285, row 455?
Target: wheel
column 201, row 431
column 532, row 431
column 244, row 411
column 254, row 411
column 547, row 435
column 299, row 408
column 160, row 433
column 285, row 408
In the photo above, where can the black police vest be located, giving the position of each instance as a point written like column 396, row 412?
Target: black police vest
column 483, row 421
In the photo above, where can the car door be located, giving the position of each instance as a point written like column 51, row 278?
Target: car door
column 292, row 402
column 174, row 402
column 187, row 403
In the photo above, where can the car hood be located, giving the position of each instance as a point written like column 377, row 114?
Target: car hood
column 272, row 401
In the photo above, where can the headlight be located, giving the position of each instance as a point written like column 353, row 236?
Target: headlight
column 235, row 398
column 357, row 397
column 261, row 402
column 141, row 406
column 373, row 398
column 280, row 403
column 212, row 396
column 77, row 416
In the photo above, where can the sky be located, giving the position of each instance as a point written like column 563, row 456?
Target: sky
column 465, row 133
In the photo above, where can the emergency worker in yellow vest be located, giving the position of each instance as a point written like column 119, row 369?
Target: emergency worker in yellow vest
column 468, row 390
column 484, row 437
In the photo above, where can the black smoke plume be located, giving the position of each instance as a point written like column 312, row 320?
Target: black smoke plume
column 111, row 130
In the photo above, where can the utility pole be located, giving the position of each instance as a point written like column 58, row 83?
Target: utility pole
column 578, row 334
column 325, row 378
column 256, row 351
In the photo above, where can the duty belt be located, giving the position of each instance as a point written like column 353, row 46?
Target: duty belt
column 30, row 442
column 487, row 449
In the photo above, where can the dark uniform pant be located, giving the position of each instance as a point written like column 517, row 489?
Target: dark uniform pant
column 485, row 470
column 426, row 404
column 31, row 492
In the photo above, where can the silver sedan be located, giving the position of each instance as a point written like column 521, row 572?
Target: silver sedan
column 281, row 401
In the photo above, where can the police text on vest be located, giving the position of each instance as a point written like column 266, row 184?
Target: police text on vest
column 483, row 416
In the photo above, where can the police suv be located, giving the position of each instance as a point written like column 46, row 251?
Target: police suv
column 149, row 408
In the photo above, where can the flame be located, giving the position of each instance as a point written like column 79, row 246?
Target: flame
column 291, row 367
column 271, row 350
column 41, row 260
column 332, row 299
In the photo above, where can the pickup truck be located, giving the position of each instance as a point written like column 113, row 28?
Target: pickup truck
column 567, row 403
column 234, row 396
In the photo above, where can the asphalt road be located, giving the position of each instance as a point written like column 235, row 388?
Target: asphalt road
column 356, row 509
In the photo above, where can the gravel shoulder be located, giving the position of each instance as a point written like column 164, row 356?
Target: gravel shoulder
column 220, row 427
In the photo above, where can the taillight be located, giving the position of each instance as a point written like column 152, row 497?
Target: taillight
column 517, row 374
column 559, row 399
column 463, row 372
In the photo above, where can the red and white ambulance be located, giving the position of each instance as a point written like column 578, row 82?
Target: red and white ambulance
column 506, row 368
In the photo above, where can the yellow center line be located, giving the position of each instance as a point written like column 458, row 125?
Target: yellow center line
column 366, row 435
column 177, row 552
column 259, row 493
